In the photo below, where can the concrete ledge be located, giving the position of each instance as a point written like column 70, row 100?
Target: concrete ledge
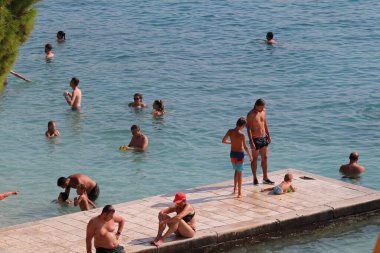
column 355, row 205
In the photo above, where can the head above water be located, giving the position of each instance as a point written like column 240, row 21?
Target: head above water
column 74, row 82
column 61, row 35
column 269, row 36
column 241, row 122
column 135, row 127
column 137, row 97
column 354, row 156
column 81, row 188
column 63, row 196
column 288, row 177
column 51, row 124
column 61, row 182
column 159, row 105
column 48, row 48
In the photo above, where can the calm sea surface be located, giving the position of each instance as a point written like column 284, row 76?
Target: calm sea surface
column 207, row 61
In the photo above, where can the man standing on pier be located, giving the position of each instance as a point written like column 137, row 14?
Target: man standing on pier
column 102, row 229
column 259, row 139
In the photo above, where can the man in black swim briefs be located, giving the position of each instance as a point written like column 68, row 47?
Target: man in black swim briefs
column 74, row 180
column 259, row 139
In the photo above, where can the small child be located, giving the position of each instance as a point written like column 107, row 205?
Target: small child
column 52, row 132
column 6, row 195
column 61, row 36
column 82, row 200
column 158, row 108
column 48, row 51
column 63, row 198
column 284, row 187
column 238, row 145
column 270, row 39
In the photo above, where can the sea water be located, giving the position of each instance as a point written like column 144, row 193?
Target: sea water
column 208, row 62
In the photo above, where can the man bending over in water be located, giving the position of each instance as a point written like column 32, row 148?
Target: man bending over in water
column 138, row 142
column 102, row 229
column 74, row 180
column 74, row 99
column 259, row 139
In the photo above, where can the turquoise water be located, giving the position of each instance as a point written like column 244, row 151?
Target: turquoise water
column 207, row 60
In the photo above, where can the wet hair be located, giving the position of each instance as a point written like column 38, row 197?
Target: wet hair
column 82, row 187
column 50, row 123
column 241, row 122
column 49, row 46
column 64, row 196
column 133, row 127
column 137, row 94
column 269, row 35
column 160, row 104
column 259, row 102
column 287, row 177
column 61, row 34
column 61, row 181
column 75, row 80
column 108, row 209
column 354, row 156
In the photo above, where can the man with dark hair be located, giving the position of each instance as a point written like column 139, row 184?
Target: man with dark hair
column 137, row 101
column 102, row 229
column 270, row 39
column 74, row 180
column 352, row 169
column 259, row 139
column 139, row 141
column 74, row 99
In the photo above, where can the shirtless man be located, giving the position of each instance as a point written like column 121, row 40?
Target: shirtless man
column 352, row 169
column 138, row 142
column 74, row 180
column 137, row 101
column 74, row 99
column 270, row 39
column 259, row 139
column 102, row 229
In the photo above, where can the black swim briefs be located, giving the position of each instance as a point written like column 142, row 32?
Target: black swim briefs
column 94, row 193
column 260, row 142
column 117, row 249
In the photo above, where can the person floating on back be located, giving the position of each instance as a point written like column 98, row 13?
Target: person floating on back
column 139, row 141
column 137, row 101
column 74, row 99
column 61, row 36
column 49, row 52
column 52, row 131
column 270, row 39
column 238, row 145
column 352, row 169
column 82, row 200
column 158, row 108
column 7, row 194
column 284, row 187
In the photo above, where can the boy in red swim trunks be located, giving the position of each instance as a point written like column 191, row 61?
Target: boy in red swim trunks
column 238, row 145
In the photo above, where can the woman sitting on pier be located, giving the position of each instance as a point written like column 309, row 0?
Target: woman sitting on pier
column 183, row 224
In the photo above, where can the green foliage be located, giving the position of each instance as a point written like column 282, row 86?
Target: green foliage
column 16, row 24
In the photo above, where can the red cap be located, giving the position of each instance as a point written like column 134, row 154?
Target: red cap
column 179, row 197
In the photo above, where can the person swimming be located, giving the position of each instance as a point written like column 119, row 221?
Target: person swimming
column 270, row 39
column 158, row 108
column 49, row 52
column 137, row 101
column 61, row 36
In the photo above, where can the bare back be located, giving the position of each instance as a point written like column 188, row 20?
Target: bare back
column 77, row 179
column 77, row 97
column 237, row 140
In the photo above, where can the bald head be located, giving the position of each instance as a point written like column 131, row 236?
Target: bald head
column 354, row 156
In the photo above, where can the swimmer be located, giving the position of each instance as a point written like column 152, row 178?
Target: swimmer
column 352, row 169
column 158, row 108
column 61, row 36
column 63, row 198
column 238, row 145
column 52, row 132
column 82, row 200
column 138, row 142
column 137, row 101
column 74, row 180
column 48, row 51
column 7, row 194
column 74, row 99
column 270, row 39
column 284, row 187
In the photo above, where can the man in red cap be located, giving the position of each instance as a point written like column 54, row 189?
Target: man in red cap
column 182, row 224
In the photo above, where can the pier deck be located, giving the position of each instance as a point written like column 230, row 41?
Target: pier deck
column 220, row 217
